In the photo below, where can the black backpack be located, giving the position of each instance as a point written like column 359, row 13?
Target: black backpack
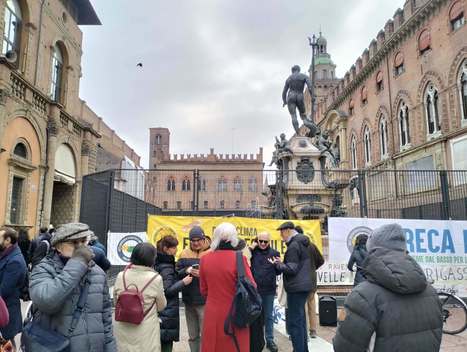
column 246, row 304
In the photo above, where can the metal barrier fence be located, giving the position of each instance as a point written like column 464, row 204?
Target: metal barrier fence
column 120, row 200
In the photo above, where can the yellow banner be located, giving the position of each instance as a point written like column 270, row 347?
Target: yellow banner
column 248, row 229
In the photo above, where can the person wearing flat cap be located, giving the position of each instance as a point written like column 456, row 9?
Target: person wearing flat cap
column 395, row 309
column 65, row 275
column 298, row 282
column 188, row 264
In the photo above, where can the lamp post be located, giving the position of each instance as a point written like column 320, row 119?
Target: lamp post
column 314, row 44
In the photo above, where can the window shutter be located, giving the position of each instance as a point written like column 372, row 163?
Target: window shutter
column 379, row 77
column 424, row 41
column 399, row 60
column 456, row 10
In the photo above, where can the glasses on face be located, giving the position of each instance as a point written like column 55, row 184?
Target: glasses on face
column 263, row 241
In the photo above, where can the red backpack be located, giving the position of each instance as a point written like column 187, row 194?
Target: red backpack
column 130, row 302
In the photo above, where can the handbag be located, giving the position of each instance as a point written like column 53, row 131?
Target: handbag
column 4, row 314
column 36, row 338
column 246, row 305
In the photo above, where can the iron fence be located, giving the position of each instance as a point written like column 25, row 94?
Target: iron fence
column 120, row 200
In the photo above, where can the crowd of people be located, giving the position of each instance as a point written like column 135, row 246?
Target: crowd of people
column 62, row 272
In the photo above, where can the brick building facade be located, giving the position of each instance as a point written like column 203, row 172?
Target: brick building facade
column 403, row 105
column 202, row 181
column 49, row 139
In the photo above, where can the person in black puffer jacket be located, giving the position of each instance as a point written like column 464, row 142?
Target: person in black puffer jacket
column 165, row 266
column 358, row 256
column 396, row 305
column 264, row 274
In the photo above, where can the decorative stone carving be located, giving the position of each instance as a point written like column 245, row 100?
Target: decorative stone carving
column 305, row 171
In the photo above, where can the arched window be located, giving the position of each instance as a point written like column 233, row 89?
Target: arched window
column 379, row 81
column 12, row 27
column 367, row 145
column 237, row 184
column 364, row 95
column 404, row 130
column 171, row 184
column 456, row 15
column 399, row 64
column 463, row 90
column 158, row 139
column 57, row 74
column 432, row 109
column 353, row 152
column 237, row 204
column 186, row 186
column 21, row 150
column 252, row 184
column 424, row 41
column 383, row 136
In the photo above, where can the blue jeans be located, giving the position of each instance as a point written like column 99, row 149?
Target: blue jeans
column 297, row 320
column 268, row 306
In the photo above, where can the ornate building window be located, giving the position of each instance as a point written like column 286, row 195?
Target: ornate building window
column 364, row 95
column 158, row 139
column 367, row 145
column 403, row 119
column 57, row 74
column 456, row 15
column 424, row 41
column 17, row 190
column 237, row 204
column 383, row 137
column 432, row 110
column 399, row 64
column 253, row 204
column 353, row 152
column 12, row 27
column 252, row 184
column 463, row 90
column 351, row 107
column 179, row 205
column 21, row 150
column 202, row 184
column 222, row 204
column 165, row 204
column 222, row 185
column 205, row 204
column 237, row 184
column 379, row 82
column 171, row 184
column 186, row 186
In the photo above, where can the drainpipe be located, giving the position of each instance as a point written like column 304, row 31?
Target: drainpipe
column 38, row 42
column 390, row 109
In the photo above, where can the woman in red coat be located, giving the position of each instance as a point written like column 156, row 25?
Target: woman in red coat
column 218, row 276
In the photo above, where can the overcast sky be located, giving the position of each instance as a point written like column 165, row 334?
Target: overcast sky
column 213, row 70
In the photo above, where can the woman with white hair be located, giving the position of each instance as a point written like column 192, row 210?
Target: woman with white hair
column 218, row 277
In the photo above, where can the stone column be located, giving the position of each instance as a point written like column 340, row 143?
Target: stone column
column 49, row 177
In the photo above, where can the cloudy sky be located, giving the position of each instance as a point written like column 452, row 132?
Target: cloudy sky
column 213, row 70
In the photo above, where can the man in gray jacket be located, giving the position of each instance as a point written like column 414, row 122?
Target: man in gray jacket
column 396, row 303
column 57, row 282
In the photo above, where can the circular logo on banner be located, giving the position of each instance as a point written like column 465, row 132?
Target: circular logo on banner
column 357, row 231
column 126, row 245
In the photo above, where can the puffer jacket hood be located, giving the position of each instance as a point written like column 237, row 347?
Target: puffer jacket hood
column 395, row 271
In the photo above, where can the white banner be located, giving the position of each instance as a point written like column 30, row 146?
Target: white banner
column 440, row 247
column 120, row 246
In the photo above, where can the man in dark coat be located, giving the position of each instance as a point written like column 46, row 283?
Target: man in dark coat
column 12, row 279
column 358, row 256
column 298, row 282
column 396, row 303
column 264, row 274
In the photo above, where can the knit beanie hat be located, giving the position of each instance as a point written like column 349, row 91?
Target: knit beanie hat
column 196, row 232
column 388, row 236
